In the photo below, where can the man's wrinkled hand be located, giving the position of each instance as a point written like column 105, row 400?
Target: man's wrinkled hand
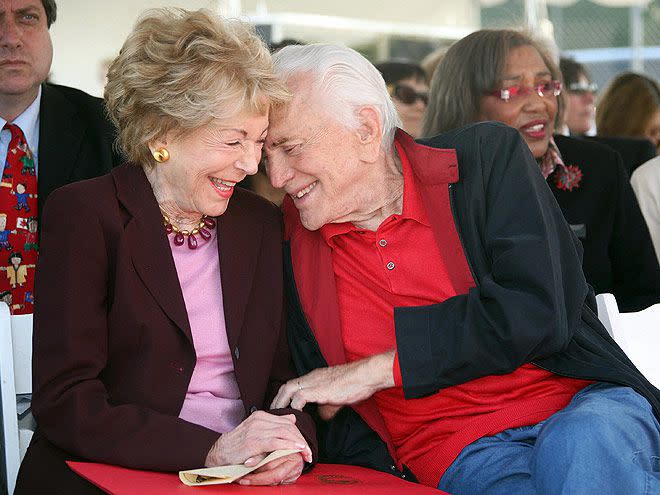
column 338, row 385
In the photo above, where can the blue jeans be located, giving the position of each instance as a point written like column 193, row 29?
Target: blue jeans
column 606, row 441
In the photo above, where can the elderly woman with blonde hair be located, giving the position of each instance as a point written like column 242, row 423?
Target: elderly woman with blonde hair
column 158, row 339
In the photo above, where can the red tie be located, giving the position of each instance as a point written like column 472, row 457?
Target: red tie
column 18, row 225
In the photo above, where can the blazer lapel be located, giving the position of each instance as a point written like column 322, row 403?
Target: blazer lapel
column 149, row 245
column 60, row 136
column 238, row 244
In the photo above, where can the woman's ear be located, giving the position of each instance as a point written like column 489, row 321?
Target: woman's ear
column 369, row 133
column 158, row 144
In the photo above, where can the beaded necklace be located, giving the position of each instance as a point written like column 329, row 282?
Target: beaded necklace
column 180, row 235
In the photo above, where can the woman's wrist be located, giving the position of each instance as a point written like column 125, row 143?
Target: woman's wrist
column 213, row 457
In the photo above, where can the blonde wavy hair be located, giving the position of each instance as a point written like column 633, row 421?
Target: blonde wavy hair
column 180, row 70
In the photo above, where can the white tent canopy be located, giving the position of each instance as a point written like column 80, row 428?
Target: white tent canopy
column 566, row 3
column 103, row 26
column 353, row 22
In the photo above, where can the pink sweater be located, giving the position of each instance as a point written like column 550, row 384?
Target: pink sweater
column 213, row 399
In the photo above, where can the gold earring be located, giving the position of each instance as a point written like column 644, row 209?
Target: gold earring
column 161, row 155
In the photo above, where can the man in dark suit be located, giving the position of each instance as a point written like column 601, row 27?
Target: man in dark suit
column 66, row 130
column 63, row 132
column 72, row 139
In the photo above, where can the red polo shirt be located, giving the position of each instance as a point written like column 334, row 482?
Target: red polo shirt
column 400, row 265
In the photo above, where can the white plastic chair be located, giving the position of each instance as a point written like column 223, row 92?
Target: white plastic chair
column 15, row 387
column 638, row 334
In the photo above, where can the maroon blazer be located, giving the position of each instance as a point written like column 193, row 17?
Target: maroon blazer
column 113, row 352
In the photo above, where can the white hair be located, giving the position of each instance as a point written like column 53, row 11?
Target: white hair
column 346, row 80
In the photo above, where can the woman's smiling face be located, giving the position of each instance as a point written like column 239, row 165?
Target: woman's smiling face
column 205, row 165
column 533, row 115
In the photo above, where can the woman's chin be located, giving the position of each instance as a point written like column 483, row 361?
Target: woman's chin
column 217, row 209
column 538, row 147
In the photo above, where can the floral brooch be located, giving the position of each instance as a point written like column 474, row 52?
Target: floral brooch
column 568, row 177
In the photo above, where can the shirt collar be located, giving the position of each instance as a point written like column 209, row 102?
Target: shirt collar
column 28, row 121
column 413, row 207
column 551, row 159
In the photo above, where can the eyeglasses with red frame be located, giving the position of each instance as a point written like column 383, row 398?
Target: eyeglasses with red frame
column 546, row 90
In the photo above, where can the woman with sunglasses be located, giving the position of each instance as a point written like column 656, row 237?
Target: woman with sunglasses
column 407, row 85
column 510, row 78
column 580, row 111
column 581, row 97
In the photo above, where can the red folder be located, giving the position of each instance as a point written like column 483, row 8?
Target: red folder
column 330, row 479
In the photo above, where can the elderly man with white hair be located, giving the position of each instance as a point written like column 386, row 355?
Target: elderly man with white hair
column 436, row 289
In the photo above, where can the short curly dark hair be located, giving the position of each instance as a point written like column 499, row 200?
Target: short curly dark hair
column 51, row 10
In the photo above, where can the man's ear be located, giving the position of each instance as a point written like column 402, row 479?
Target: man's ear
column 369, row 133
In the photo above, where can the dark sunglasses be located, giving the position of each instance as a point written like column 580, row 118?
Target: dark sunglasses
column 406, row 94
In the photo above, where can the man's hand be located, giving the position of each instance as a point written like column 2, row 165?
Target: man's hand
column 338, row 385
column 255, row 438
column 282, row 471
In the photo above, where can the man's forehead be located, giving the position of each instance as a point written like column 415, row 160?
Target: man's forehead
column 284, row 116
column 14, row 5
column 295, row 119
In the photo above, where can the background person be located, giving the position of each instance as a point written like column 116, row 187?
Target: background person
column 50, row 135
column 514, row 81
column 409, row 90
column 431, row 61
column 630, row 106
column 580, row 112
column 581, row 97
column 157, row 338
column 645, row 181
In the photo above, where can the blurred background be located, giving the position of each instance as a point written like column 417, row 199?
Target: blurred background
column 608, row 36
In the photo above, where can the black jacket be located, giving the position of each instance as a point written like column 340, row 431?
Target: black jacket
column 531, row 302
column 618, row 252
column 75, row 139
column 633, row 151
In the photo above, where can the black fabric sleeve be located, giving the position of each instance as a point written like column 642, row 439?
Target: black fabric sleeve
column 530, row 287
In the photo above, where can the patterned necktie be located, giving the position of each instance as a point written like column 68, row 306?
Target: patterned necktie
column 18, row 225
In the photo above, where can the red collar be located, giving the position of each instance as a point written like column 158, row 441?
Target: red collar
column 413, row 208
column 433, row 166
column 431, row 170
